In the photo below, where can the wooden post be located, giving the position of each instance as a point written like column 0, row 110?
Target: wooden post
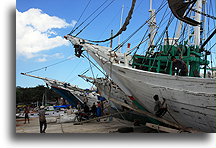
column 163, row 128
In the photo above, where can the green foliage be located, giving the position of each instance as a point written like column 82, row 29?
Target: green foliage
column 34, row 94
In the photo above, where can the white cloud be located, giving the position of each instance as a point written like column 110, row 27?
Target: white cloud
column 33, row 32
column 43, row 59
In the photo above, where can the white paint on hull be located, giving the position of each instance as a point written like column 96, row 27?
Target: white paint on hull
column 191, row 101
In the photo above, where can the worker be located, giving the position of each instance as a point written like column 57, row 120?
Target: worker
column 42, row 119
column 86, row 108
column 26, row 112
column 99, row 110
column 79, row 107
column 78, row 50
column 93, row 109
column 180, row 65
column 69, row 110
column 159, row 108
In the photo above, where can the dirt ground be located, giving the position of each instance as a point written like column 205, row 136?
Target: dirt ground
column 90, row 127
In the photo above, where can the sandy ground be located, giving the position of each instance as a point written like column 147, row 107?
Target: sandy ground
column 90, row 127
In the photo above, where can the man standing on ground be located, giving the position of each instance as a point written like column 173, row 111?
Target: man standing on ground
column 42, row 119
column 26, row 112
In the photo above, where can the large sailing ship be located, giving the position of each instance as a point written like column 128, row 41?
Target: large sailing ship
column 190, row 99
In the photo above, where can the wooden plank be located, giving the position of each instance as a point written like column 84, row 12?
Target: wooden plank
column 163, row 128
column 97, row 118
column 155, row 117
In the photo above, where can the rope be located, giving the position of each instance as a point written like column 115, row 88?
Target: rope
column 85, row 71
column 142, row 40
column 72, row 71
column 172, row 117
column 110, row 90
column 119, row 46
column 124, row 26
column 138, row 46
column 207, row 15
column 169, row 22
column 80, row 17
column 88, row 17
column 94, row 18
column 91, row 67
column 94, row 65
column 211, row 47
column 50, row 65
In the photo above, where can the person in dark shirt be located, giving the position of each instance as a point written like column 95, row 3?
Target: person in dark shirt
column 86, row 108
column 78, row 50
column 180, row 65
column 26, row 112
column 159, row 108
column 94, row 109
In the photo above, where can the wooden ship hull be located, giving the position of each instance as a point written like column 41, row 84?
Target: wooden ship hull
column 119, row 101
column 190, row 100
column 70, row 93
column 108, row 89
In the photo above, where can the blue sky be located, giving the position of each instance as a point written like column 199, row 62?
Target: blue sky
column 41, row 25
column 69, row 11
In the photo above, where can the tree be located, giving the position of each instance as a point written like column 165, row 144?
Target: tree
column 34, row 94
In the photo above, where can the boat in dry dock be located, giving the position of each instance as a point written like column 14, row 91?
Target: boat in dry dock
column 71, row 93
column 190, row 99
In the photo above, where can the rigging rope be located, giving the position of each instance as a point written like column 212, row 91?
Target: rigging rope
column 94, row 65
column 95, row 17
column 207, row 15
column 88, row 17
column 119, row 46
column 144, row 36
column 50, row 65
column 91, row 67
column 124, row 26
column 85, row 71
column 72, row 70
column 80, row 17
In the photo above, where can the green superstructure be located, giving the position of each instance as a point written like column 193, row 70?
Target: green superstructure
column 161, row 61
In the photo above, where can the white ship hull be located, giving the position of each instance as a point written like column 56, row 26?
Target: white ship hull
column 187, row 102
column 109, row 89
column 191, row 101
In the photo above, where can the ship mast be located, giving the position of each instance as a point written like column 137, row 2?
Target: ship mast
column 196, row 33
column 119, row 37
column 152, row 25
column 197, row 30
column 178, row 31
